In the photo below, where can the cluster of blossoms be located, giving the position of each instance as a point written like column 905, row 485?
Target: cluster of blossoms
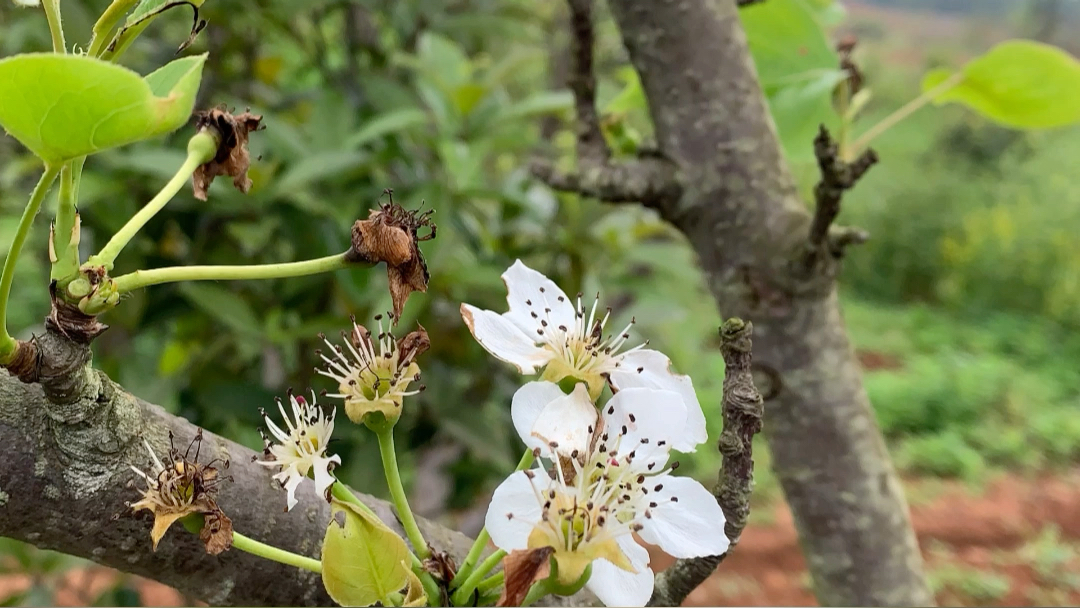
column 604, row 472
column 604, row 468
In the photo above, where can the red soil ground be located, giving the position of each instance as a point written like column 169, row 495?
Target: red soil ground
column 966, row 536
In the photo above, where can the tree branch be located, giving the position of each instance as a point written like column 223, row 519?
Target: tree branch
column 590, row 141
column 67, row 444
column 649, row 180
column 837, row 175
column 742, row 409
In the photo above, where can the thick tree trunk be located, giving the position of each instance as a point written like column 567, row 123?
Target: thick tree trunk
column 740, row 211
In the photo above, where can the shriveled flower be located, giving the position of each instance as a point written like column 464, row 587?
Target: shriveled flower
column 183, row 488
column 391, row 235
column 232, row 158
column 544, row 330
column 375, row 379
column 607, row 481
column 302, row 447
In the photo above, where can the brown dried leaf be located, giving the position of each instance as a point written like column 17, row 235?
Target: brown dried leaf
column 217, row 532
column 523, row 568
column 232, row 157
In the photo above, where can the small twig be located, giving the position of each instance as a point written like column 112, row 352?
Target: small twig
column 742, row 410
column 742, row 3
column 582, row 81
column 648, row 180
column 836, row 177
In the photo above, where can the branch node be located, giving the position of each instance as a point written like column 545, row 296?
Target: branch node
column 651, row 180
column 837, row 175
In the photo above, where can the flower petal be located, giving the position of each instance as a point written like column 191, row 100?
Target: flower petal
column 323, row 477
column 529, row 401
column 504, row 340
column 291, row 483
column 654, row 419
column 566, row 421
column 656, row 373
column 617, row 587
column 528, row 291
column 515, row 510
column 691, row 527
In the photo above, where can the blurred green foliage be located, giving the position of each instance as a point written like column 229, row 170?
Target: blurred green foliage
column 968, row 290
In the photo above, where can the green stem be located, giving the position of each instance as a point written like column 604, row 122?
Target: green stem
column 172, row 274
column 201, row 148
column 341, row 492
column 397, row 492
column 254, row 547
column 67, row 256
column 482, row 539
column 492, row 582
column 56, row 28
column 903, row 112
column 7, row 343
column 463, row 593
column 105, row 24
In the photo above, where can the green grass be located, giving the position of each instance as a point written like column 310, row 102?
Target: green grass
column 970, row 392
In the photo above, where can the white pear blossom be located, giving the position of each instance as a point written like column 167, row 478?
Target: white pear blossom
column 300, row 448
column 604, row 484
column 374, row 378
column 545, row 330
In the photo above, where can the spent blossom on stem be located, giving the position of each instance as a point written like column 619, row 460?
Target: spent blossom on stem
column 545, row 330
column 182, row 488
column 374, row 376
column 301, row 447
column 609, row 478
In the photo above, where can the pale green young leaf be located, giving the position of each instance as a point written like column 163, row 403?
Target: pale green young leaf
column 414, row 594
column 363, row 561
column 65, row 106
column 799, row 109
column 1018, row 83
column 787, row 41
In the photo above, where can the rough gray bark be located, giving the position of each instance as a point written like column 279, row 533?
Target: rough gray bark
column 731, row 194
column 742, row 410
column 66, row 445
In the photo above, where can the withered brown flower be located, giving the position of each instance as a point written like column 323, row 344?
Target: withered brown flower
column 232, row 157
column 390, row 234
column 185, row 487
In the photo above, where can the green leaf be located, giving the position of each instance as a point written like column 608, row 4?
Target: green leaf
column 363, row 561
column 65, row 106
column 443, row 60
column 788, row 41
column 798, row 109
column 224, row 305
column 539, row 104
column 1018, row 83
column 386, row 124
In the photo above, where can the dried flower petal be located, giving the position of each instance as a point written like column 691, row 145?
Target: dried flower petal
column 390, row 234
column 232, row 157
column 183, row 488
